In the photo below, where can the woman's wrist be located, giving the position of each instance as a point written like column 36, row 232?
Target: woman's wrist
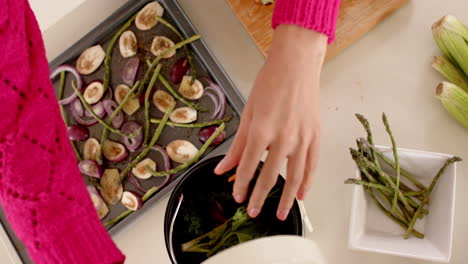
column 293, row 40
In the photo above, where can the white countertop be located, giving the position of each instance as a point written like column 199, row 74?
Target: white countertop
column 387, row 70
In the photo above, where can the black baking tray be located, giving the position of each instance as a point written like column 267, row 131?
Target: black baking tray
column 206, row 64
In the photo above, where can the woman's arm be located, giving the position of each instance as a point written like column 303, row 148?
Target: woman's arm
column 41, row 190
column 282, row 112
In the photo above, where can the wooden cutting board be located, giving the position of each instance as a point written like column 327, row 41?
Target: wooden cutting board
column 356, row 18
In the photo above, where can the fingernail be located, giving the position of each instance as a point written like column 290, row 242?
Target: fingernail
column 237, row 198
column 220, row 166
column 301, row 196
column 282, row 214
column 253, row 212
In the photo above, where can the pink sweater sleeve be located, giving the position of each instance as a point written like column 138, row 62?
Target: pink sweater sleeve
column 317, row 15
column 41, row 189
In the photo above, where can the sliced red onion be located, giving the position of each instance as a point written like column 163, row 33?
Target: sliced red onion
column 135, row 183
column 218, row 91
column 132, row 143
column 98, row 109
column 214, row 98
column 77, row 107
column 179, row 70
column 110, row 106
column 111, row 92
column 79, row 119
column 77, row 133
column 90, row 168
column 167, row 163
column 205, row 133
column 130, row 70
column 79, row 82
column 222, row 100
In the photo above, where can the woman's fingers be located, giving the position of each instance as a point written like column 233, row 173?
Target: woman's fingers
column 248, row 164
column 267, row 179
column 295, row 174
column 310, row 166
column 234, row 154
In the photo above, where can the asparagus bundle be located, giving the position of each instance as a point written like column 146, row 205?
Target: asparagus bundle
column 402, row 202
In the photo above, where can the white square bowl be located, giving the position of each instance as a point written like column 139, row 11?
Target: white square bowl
column 371, row 230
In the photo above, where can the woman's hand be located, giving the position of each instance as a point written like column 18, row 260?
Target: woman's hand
column 281, row 116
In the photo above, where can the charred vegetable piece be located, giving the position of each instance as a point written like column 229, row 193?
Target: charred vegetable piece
column 98, row 203
column 160, row 45
column 111, row 186
column 179, row 70
column 93, row 92
column 140, row 170
column 163, row 101
column 130, row 70
column 205, row 133
column 183, row 115
column 128, row 44
column 191, row 90
column 181, row 151
column 114, row 151
column 90, row 60
column 90, row 168
column 131, row 200
column 146, row 17
column 77, row 133
column 132, row 105
column 92, row 150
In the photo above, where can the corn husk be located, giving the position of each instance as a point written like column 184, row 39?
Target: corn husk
column 452, row 38
column 452, row 72
column 455, row 100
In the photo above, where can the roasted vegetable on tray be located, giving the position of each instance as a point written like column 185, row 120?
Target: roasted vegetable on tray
column 402, row 197
column 120, row 151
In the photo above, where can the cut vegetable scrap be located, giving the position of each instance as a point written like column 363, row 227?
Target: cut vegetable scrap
column 232, row 178
column 191, row 90
column 140, row 170
column 181, row 151
column 160, row 45
column 128, row 44
column 90, row 60
column 146, row 17
column 450, row 71
column 132, row 105
column 184, row 115
column 163, row 101
column 111, row 187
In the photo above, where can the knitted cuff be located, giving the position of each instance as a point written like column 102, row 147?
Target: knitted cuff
column 317, row 15
column 83, row 240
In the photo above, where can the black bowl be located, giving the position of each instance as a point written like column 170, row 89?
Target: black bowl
column 201, row 179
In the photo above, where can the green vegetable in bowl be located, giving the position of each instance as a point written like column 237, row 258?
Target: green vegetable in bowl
column 239, row 228
column 455, row 100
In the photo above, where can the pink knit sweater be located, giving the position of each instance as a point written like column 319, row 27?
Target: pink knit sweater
column 41, row 188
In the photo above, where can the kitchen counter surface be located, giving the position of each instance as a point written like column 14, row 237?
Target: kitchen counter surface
column 387, row 70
